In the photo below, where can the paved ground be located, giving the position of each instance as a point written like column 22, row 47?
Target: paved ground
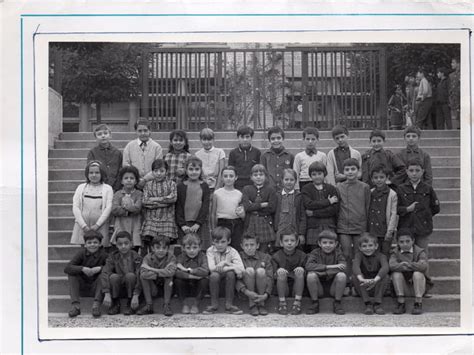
column 272, row 320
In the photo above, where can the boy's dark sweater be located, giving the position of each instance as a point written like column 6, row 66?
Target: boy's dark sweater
column 288, row 262
column 253, row 197
column 318, row 261
column 259, row 260
column 84, row 258
column 393, row 163
column 324, row 213
column 243, row 160
column 198, row 264
column 115, row 265
column 370, row 266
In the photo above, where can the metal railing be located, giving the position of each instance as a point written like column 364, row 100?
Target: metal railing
column 221, row 88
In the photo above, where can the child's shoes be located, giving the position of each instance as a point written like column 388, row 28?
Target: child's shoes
column 147, row 309
column 262, row 310
column 338, row 309
column 296, row 309
column 74, row 311
column 210, row 310
column 233, row 310
column 282, row 308
column 253, row 310
column 114, row 309
column 378, row 309
column 194, row 309
column 400, row 308
column 185, row 309
column 167, row 311
column 369, row 309
column 96, row 310
column 313, row 308
column 417, row 308
column 127, row 311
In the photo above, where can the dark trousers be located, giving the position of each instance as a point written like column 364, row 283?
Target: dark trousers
column 125, row 282
column 80, row 286
column 377, row 291
column 443, row 116
column 423, row 113
column 191, row 288
column 236, row 227
column 214, row 286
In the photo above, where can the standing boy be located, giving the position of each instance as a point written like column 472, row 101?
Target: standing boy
column 383, row 219
column 277, row 158
column 321, row 202
column 455, row 91
column 443, row 112
column 143, row 151
column 336, row 156
column 412, row 136
column 213, row 159
column 424, row 101
column 370, row 269
column 191, row 274
column 224, row 263
column 257, row 279
column 304, row 159
column 107, row 154
column 377, row 155
column 121, row 273
column 156, row 274
column 325, row 267
column 417, row 204
column 83, row 273
column 244, row 157
column 288, row 265
column 353, row 211
column 409, row 267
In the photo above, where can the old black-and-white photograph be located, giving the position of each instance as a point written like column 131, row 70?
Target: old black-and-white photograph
column 268, row 185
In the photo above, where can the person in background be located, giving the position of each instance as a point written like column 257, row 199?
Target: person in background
column 443, row 112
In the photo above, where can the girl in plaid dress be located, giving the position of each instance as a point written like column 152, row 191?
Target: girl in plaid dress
column 159, row 197
column 260, row 201
column 178, row 153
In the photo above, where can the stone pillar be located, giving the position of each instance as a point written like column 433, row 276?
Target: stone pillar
column 84, row 118
column 132, row 114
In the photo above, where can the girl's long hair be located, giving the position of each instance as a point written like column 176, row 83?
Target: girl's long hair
column 183, row 135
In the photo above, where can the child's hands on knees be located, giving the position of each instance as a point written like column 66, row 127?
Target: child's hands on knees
column 87, row 271
column 282, row 272
column 299, row 271
column 107, row 300
column 341, row 266
column 251, row 294
column 96, row 270
column 134, row 303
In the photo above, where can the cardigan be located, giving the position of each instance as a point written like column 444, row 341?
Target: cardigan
column 300, row 213
column 416, row 257
column 331, row 165
column 267, row 193
column 181, row 200
column 324, row 213
column 391, row 210
column 353, row 207
column 142, row 160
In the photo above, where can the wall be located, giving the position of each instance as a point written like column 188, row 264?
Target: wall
column 55, row 115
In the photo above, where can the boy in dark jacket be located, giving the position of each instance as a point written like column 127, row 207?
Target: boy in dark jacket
column 417, row 204
column 119, row 274
column 83, row 273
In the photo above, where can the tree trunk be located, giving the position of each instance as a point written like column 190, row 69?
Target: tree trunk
column 98, row 112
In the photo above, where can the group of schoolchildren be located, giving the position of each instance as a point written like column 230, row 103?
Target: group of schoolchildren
column 192, row 225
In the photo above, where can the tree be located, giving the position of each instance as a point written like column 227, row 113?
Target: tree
column 98, row 73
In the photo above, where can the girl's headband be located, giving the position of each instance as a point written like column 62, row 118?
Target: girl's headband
column 94, row 163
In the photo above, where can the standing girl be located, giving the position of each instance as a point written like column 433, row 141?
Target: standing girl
column 192, row 205
column 259, row 201
column 226, row 207
column 92, row 204
column 177, row 155
column 159, row 197
column 127, row 206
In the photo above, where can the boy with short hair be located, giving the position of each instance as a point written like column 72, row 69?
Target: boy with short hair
column 377, row 155
column 83, row 272
column 277, row 158
column 304, row 159
column 213, row 159
column 143, row 151
column 257, row 279
column 336, row 156
column 325, row 267
column 107, row 154
column 156, row 274
column 412, row 136
column 417, row 204
column 354, row 205
column 191, row 273
column 224, row 262
column 321, row 202
column 409, row 267
column 382, row 219
column 244, row 157
column 288, row 265
column 370, row 269
column 121, row 273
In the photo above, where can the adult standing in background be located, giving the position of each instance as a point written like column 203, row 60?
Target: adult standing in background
column 424, row 100
column 455, row 91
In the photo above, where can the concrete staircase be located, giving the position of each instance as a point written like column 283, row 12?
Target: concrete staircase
column 66, row 170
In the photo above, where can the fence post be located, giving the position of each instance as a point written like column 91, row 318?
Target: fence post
column 383, row 88
column 304, row 86
column 84, row 116
column 145, row 94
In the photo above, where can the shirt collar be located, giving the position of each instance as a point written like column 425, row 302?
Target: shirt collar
column 284, row 193
column 342, row 149
column 412, row 149
column 414, row 185
column 210, row 150
column 242, row 150
column 246, row 256
column 106, row 147
column 409, row 251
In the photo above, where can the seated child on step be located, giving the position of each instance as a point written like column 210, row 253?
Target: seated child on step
column 257, row 279
column 107, row 154
column 409, row 267
column 192, row 204
column 178, row 153
column 92, row 204
column 325, row 267
column 83, row 272
column 224, row 263
column 288, row 265
column 156, row 275
column 159, row 197
column 370, row 268
column 120, row 275
column 191, row 274
column 127, row 206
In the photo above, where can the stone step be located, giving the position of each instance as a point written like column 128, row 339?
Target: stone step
column 262, row 135
column 440, row 221
column 438, row 267
column 439, row 236
column 438, row 303
column 58, row 285
column 60, row 196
